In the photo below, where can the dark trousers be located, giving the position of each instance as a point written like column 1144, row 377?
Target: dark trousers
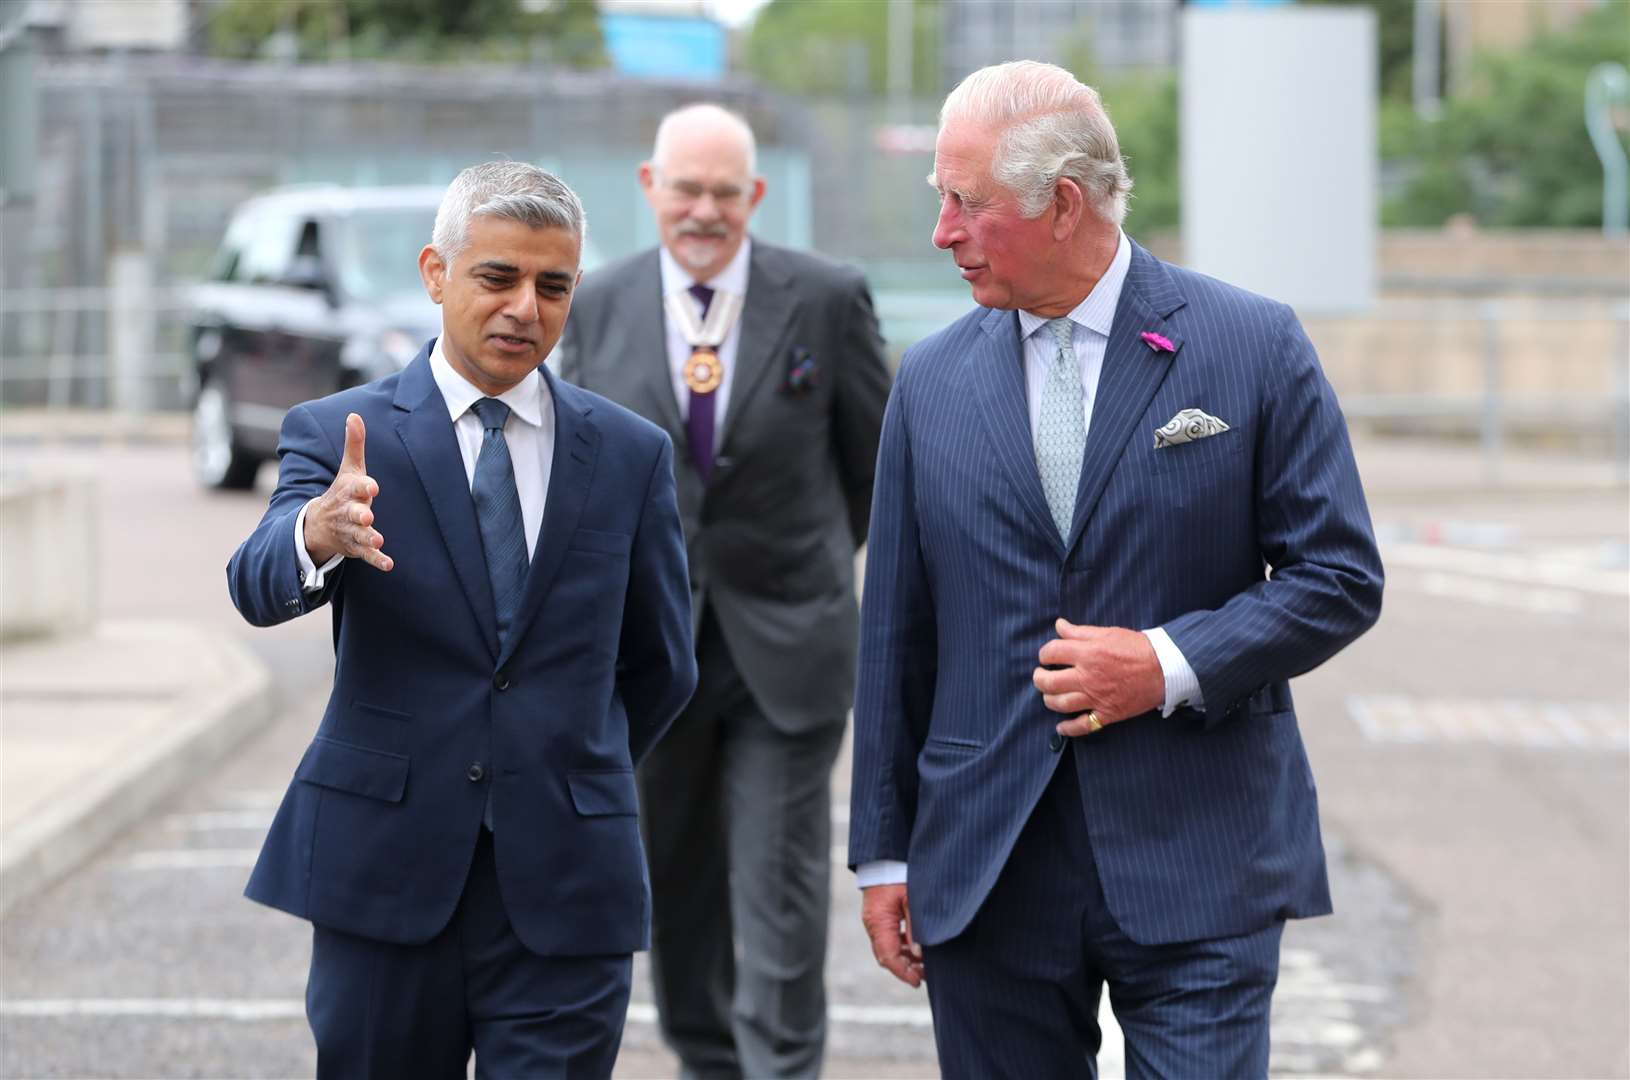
column 737, row 821
column 389, row 1011
column 1016, row 994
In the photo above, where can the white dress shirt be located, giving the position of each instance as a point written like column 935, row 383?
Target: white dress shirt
column 733, row 280
column 529, row 432
column 1092, row 317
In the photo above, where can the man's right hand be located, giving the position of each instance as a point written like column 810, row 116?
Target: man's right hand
column 887, row 920
column 340, row 521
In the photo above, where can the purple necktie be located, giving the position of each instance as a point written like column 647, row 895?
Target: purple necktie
column 700, row 422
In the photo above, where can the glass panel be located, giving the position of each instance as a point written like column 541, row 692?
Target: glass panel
column 377, row 251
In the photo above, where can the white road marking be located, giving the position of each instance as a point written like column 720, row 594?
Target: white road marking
column 256, row 798
column 192, row 859
column 258, row 1010
column 1540, row 725
column 1530, row 569
column 245, row 1010
column 1312, row 1014
column 219, row 819
column 1530, row 598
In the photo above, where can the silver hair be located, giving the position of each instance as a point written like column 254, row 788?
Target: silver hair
column 707, row 111
column 1052, row 126
column 512, row 190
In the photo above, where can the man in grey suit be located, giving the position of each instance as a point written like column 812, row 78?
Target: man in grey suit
column 766, row 367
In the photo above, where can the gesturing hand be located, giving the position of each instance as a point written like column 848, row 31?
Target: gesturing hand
column 341, row 521
column 887, row 921
column 1108, row 669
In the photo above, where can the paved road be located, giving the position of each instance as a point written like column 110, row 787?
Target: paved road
column 1471, row 754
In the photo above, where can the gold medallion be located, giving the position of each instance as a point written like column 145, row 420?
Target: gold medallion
column 703, row 372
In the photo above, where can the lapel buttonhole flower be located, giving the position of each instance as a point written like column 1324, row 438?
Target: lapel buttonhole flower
column 1157, row 342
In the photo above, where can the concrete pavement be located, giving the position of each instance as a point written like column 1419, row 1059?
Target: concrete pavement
column 98, row 728
column 1423, row 486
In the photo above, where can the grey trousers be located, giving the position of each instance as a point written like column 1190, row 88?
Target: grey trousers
column 737, row 823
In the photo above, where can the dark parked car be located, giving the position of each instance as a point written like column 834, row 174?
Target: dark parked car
column 315, row 289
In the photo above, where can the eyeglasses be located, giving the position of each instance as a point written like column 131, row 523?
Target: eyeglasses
column 690, row 191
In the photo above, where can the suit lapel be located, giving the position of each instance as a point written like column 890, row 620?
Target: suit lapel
column 427, row 435
column 646, row 326
column 1131, row 374
column 577, row 444
column 766, row 320
column 995, row 371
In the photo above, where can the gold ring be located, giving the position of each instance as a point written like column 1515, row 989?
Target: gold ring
column 1093, row 723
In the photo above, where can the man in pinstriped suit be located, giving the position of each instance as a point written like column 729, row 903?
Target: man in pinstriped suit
column 1116, row 510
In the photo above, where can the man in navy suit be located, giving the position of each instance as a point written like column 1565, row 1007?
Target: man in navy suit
column 503, row 558
column 1116, row 510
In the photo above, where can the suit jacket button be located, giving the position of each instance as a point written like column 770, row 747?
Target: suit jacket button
column 1056, row 742
column 501, row 680
column 475, row 772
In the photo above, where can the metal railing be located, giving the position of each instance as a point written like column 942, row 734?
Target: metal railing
column 95, row 348
column 125, row 348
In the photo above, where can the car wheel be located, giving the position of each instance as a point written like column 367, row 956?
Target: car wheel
column 217, row 460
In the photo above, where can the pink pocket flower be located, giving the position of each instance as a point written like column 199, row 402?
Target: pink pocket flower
column 1157, row 342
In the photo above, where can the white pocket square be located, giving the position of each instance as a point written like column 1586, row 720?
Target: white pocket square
column 1187, row 426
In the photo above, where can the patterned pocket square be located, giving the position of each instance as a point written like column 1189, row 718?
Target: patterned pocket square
column 803, row 372
column 1187, row 426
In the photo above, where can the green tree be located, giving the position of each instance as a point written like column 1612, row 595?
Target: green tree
column 567, row 30
column 1144, row 111
column 825, row 48
column 1511, row 148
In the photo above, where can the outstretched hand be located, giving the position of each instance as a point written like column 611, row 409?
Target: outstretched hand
column 340, row 521
column 887, row 920
column 1108, row 669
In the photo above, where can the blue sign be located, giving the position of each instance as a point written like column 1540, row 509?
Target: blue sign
column 664, row 46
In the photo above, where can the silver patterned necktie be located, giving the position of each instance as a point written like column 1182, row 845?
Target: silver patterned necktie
column 1061, row 429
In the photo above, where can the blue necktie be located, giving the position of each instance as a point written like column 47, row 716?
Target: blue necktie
column 1061, row 428
column 498, row 512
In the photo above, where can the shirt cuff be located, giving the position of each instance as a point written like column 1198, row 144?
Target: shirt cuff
column 311, row 575
column 1182, row 684
column 880, row 872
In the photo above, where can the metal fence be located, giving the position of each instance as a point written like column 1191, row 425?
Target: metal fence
column 1493, row 370
column 140, row 162
column 95, row 348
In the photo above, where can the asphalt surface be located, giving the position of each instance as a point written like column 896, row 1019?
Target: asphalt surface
column 1471, row 754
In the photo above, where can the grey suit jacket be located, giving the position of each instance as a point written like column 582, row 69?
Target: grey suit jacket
column 772, row 536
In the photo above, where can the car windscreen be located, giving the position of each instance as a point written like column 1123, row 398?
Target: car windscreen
column 377, row 251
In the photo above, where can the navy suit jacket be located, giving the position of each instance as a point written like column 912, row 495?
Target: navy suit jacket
column 376, row 833
column 1252, row 548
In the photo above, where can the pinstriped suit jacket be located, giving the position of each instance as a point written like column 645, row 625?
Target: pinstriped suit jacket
column 1253, row 548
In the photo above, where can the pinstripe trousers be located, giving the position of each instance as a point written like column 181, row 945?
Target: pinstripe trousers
column 1016, row 994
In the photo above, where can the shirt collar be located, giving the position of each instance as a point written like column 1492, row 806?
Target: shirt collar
column 732, row 279
column 525, row 399
column 1097, row 311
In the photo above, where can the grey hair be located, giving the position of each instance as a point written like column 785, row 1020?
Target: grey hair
column 704, row 111
column 1052, row 126
column 512, row 190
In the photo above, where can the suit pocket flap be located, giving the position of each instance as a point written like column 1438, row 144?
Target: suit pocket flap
column 607, row 543
column 602, row 792
column 357, row 769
